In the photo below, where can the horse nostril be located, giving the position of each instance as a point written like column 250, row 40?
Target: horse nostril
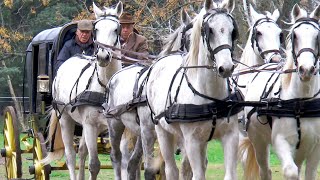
column 301, row 70
column 221, row 70
column 312, row 70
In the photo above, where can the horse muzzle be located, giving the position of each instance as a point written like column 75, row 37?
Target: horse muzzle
column 305, row 73
column 226, row 71
column 104, row 57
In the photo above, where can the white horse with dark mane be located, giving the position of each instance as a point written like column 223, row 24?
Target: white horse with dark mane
column 286, row 106
column 78, row 92
column 190, row 95
column 126, row 108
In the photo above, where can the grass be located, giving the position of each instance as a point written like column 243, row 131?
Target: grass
column 215, row 168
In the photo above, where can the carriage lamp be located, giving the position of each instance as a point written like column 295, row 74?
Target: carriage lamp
column 43, row 84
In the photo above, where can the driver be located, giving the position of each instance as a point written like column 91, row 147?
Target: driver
column 81, row 43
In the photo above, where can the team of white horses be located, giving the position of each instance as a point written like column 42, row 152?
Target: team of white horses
column 189, row 96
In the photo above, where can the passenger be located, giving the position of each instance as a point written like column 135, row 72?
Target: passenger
column 81, row 43
column 130, row 38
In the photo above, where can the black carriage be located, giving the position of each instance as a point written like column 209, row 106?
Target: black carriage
column 41, row 55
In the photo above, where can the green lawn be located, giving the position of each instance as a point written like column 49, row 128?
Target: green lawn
column 215, row 167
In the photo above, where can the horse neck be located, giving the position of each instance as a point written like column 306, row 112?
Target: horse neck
column 206, row 80
column 172, row 42
column 104, row 73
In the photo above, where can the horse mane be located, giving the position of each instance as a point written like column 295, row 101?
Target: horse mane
column 172, row 42
column 195, row 38
column 286, row 78
column 245, row 56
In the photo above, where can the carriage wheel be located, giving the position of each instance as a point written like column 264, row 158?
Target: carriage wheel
column 11, row 151
column 39, row 151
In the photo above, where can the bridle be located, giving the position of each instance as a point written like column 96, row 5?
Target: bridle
column 254, row 37
column 185, row 42
column 113, row 18
column 205, row 32
column 314, row 23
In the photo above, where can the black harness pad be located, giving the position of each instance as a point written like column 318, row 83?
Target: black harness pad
column 291, row 108
column 88, row 98
column 188, row 113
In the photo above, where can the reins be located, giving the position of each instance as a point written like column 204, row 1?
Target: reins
column 152, row 57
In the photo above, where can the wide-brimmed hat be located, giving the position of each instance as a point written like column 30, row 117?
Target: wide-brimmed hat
column 85, row 25
column 126, row 18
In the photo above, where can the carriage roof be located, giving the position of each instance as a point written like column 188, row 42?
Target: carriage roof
column 57, row 34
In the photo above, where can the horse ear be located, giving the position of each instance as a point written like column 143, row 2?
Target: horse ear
column 97, row 11
column 253, row 14
column 119, row 8
column 228, row 5
column 296, row 12
column 209, row 4
column 185, row 18
column 275, row 15
column 316, row 13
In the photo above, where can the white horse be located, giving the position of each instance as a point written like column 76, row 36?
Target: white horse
column 79, row 88
column 198, row 84
column 263, row 44
column 122, row 87
column 290, row 122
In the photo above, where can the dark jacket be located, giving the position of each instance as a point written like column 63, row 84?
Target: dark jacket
column 72, row 47
column 136, row 43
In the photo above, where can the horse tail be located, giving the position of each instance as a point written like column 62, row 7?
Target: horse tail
column 55, row 137
column 248, row 159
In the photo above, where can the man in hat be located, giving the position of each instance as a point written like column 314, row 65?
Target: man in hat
column 130, row 38
column 81, row 43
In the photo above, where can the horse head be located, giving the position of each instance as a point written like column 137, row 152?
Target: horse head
column 107, row 31
column 266, row 36
column 180, row 38
column 187, row 24
column 304, row 41
column 218, row 32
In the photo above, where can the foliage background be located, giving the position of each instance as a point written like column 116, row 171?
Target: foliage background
column 20, row 20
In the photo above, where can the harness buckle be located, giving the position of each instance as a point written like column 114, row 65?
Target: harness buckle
column 214, row 115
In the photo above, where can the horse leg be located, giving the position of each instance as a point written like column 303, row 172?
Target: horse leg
column 148, row 137
column 312, row 163
column 67, row 132
column 230, row 142
column 134, row 164
column 126, row 147
column 284, row 151
column 186, row 171
column 260, row 137
column 167, row 143
column 116, row 129
column 91, row 133
column 196, row 152
column 83, row 152
column 262, row 150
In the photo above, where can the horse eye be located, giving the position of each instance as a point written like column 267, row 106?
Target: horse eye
column 259, row 33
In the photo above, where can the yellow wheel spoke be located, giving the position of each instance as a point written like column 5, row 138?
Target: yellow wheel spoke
column 12, row 144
